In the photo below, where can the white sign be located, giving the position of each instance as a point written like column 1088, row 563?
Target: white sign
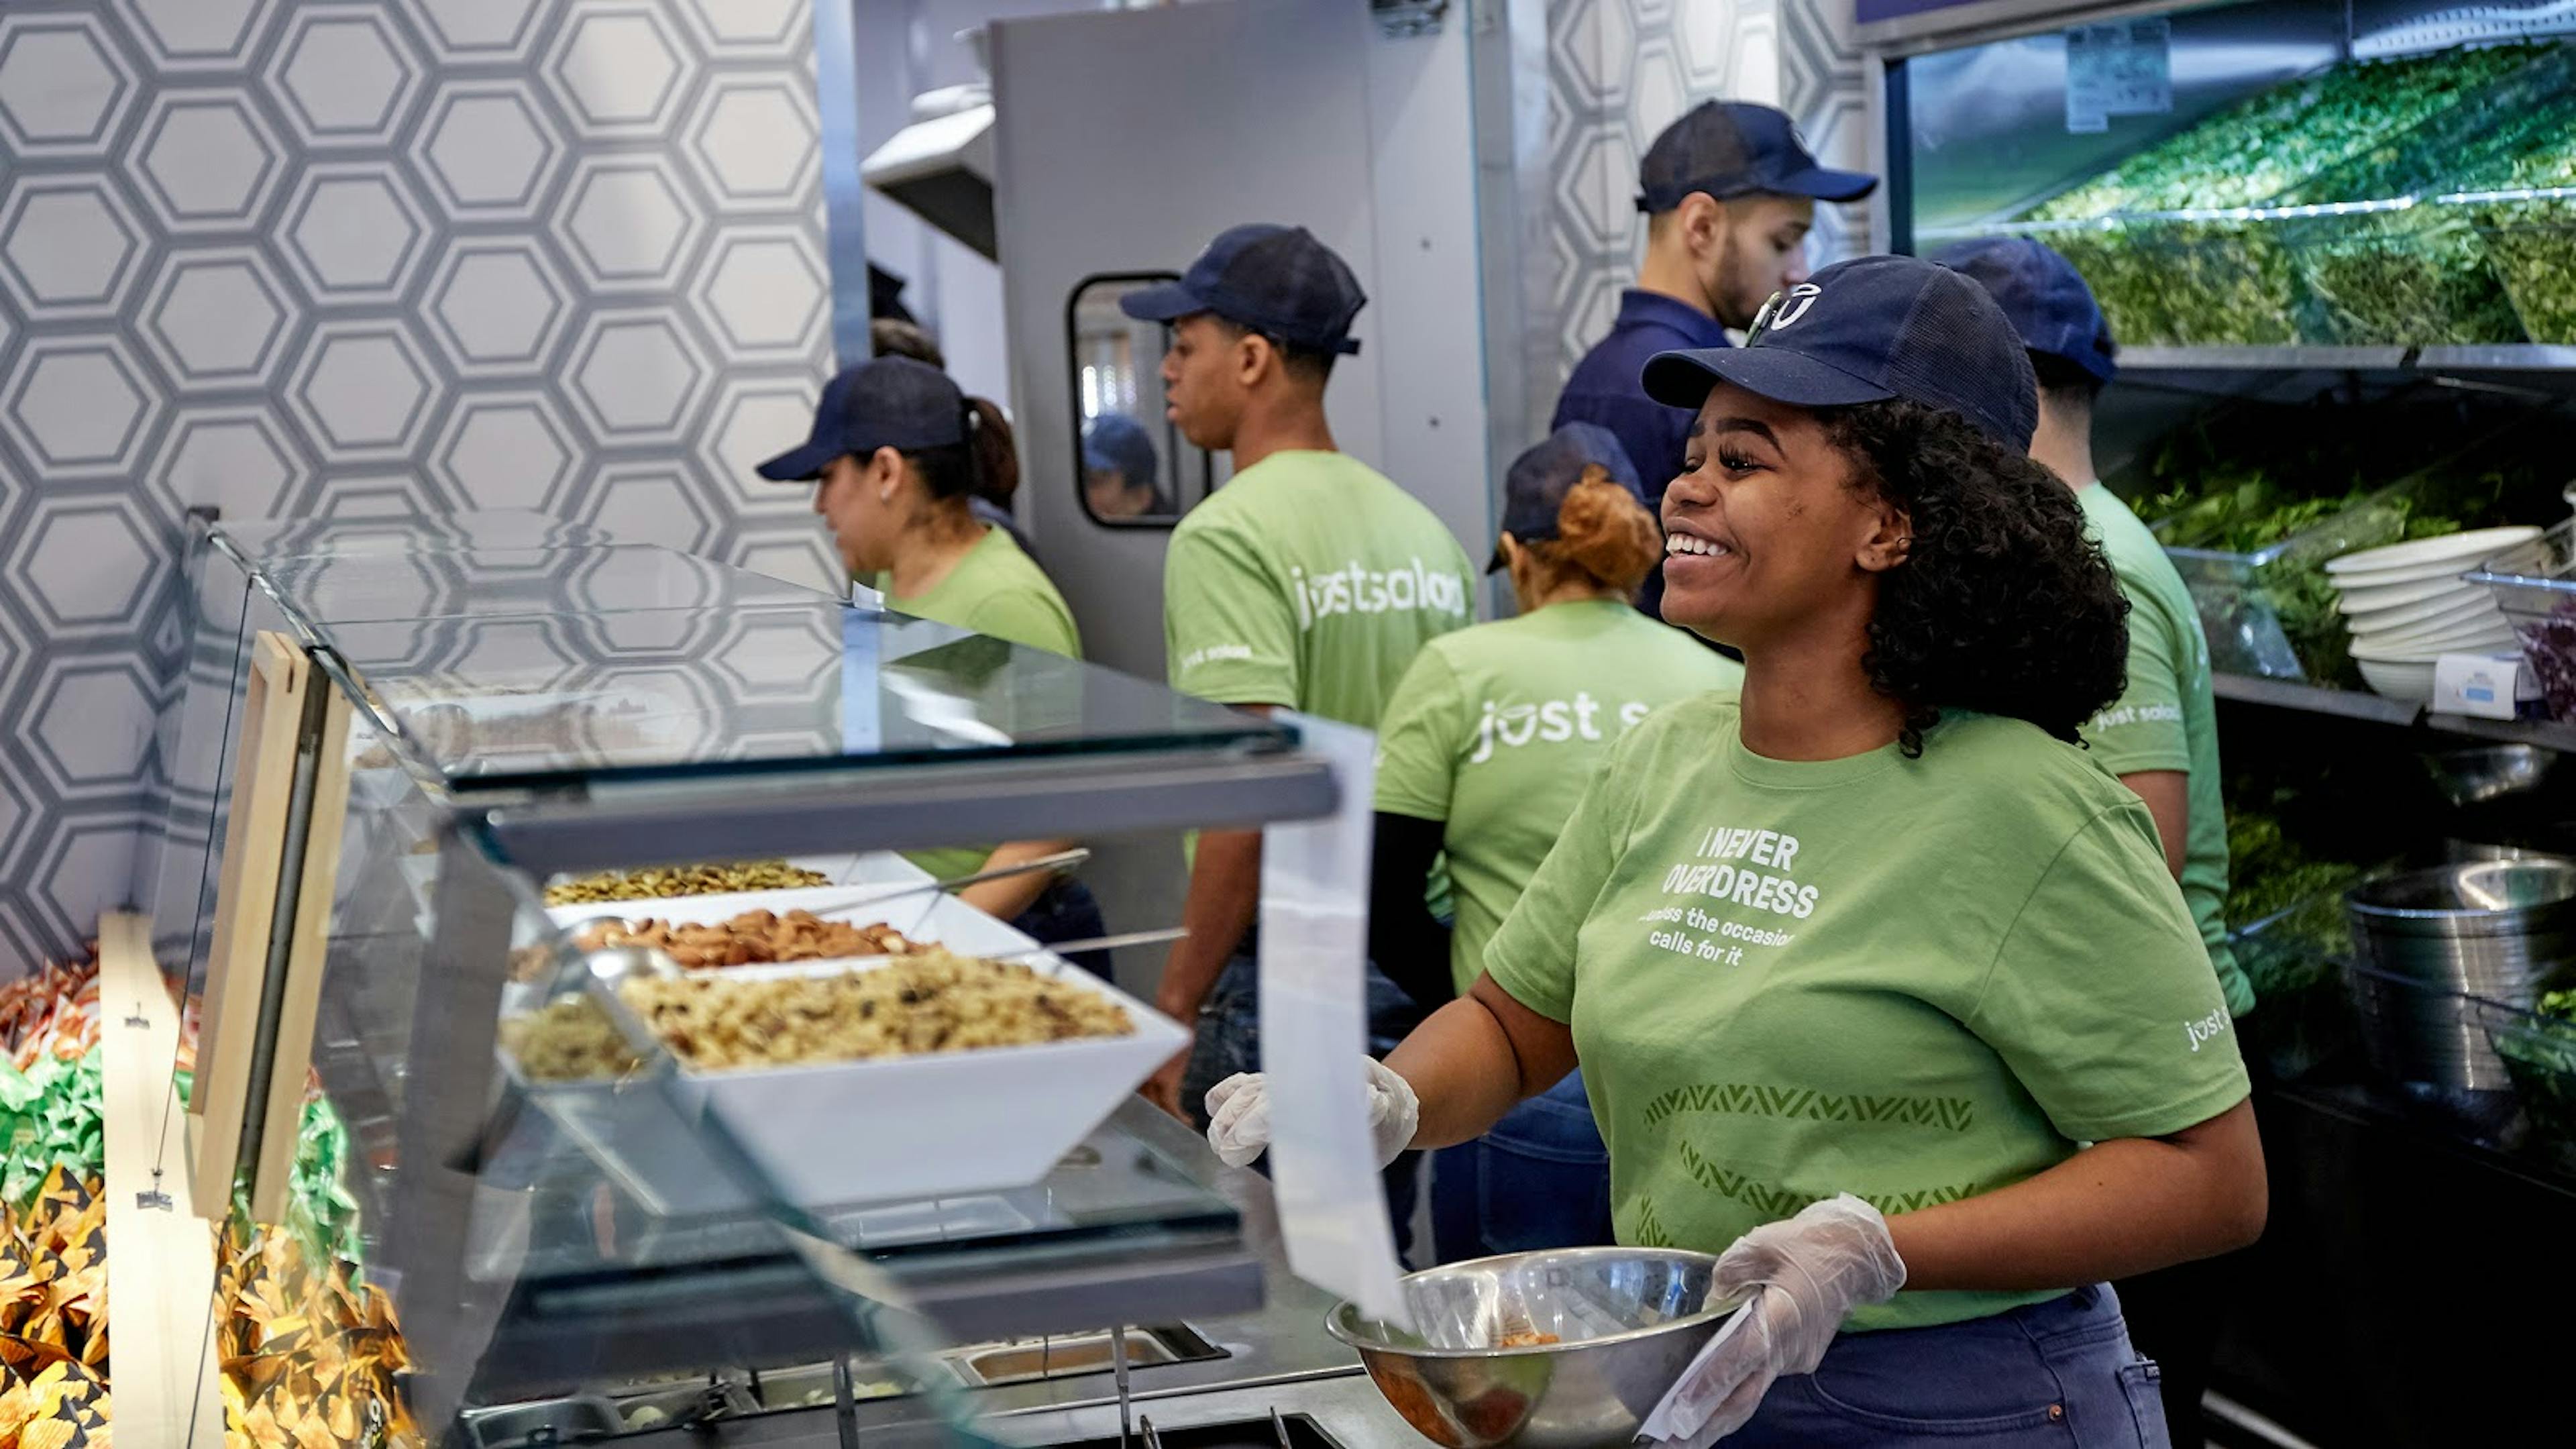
column 2124, row 68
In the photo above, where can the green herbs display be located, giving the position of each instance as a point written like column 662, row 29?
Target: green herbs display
column 53, row 1115
column 2532, row 240
column 2360, row 131
column 2285, row 906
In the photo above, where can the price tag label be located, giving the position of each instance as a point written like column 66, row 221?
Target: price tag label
column 2123, row 68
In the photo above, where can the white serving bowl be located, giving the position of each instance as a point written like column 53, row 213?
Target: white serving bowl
column 2409, row 680
column 2474, row 603
column 2377, row 597
column 2459, row 551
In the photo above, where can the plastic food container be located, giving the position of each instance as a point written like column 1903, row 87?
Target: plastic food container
column 2539, row 1056
column 2535, row 585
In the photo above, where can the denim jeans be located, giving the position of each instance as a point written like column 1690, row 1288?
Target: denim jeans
column 2059, row 1373
column 1539, row 1179
column 1067, row 912
column 1229, row 1041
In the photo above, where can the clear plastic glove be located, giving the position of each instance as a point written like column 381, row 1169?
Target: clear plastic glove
column 1238, row 1111
column 1808, row 1274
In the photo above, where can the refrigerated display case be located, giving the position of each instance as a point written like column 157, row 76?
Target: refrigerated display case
column 508, row 1200
column 2277, row 174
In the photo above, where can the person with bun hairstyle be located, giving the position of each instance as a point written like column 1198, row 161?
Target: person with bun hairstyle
column 897, row 455
column 1486, row 745
column 1880, row 985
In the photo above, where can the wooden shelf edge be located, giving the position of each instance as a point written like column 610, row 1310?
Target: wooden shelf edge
column 161, row 1260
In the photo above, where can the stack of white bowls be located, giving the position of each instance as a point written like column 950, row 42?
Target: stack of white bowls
column 2406, row 607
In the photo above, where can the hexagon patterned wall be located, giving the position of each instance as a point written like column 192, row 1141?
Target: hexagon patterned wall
column 1619, row 71
column 294, row 258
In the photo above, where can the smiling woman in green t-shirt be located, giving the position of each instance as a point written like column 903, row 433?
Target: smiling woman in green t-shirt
column 895, row 456
column 1880, row 986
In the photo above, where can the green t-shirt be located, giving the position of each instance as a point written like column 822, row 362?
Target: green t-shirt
column 2167, row 718
column 1309, row 581
column 994, row 590
column 1911, row 980
column 1498, row 728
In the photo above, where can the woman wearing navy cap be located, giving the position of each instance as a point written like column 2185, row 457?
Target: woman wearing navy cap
column 896, row 456
column 1880, row 985
column 1484, row 749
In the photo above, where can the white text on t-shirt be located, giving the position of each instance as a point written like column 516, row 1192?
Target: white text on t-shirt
column 1356, row 588
column 1552, row 721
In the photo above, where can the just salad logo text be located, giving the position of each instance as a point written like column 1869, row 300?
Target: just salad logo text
column 1358, row 589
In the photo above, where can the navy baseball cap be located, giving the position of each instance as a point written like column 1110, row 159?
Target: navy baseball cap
column 1535, row 487
column 1868, row 330
column 2043, row 296
column 1736, row 148
column 1115, row 440
column 885, row 402
column 1277, row 280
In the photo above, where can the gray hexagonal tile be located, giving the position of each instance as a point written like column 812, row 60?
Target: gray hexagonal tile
column 770, row 28
column 216, row 317
column 487, row 150
column 618, row 68
column 343, row 76
column 1601, row 184
column 497, row 306
column 1706, row 29
column 14, row 819
column 753, row 141
column 208, row 161
column 753, row 419
column 1753, row 59
column 797, row 555
column 354, row 233
column 363, row 390
column 91, row 719
column 241, row 460
column 636, row 376
column 63, row 85
column 79, row 405
column 69, row 246
column 778, row 655
column 190, row 35
column 1602, row 51
column 85, row 563
column 477, row 30
column 505, row 450
column 645, row 503
column 1657, row 93
column 87, row 870
column 627, row 223
column 766, row 291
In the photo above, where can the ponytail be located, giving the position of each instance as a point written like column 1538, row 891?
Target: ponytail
column 1603, row 531
column 986, row 464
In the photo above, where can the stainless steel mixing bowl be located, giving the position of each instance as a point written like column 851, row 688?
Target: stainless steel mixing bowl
column 1626, row 1322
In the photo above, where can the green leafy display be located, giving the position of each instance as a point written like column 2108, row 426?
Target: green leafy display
column 53, row 1112
column 2360, row 131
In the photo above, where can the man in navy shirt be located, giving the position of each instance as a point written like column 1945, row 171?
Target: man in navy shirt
column 1729, row 195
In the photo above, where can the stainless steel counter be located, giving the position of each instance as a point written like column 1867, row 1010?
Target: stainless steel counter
column 1277, row 1357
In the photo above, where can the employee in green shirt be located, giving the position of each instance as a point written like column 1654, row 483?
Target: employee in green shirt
column 1308, row 582
column 895, row 457
column 1880, row 986
column 1484, row 750
column 2160, row 736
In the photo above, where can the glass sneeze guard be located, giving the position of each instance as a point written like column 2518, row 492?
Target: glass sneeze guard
column 522, row 712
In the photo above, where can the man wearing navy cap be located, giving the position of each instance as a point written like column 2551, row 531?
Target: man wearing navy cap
column 1308, row 582
column 2160, row 737
column 1729, row 195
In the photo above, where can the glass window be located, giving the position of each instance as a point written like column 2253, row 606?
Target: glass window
column 1131, row 466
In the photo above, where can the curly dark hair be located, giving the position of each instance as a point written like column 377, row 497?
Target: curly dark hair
column 2004, row 605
